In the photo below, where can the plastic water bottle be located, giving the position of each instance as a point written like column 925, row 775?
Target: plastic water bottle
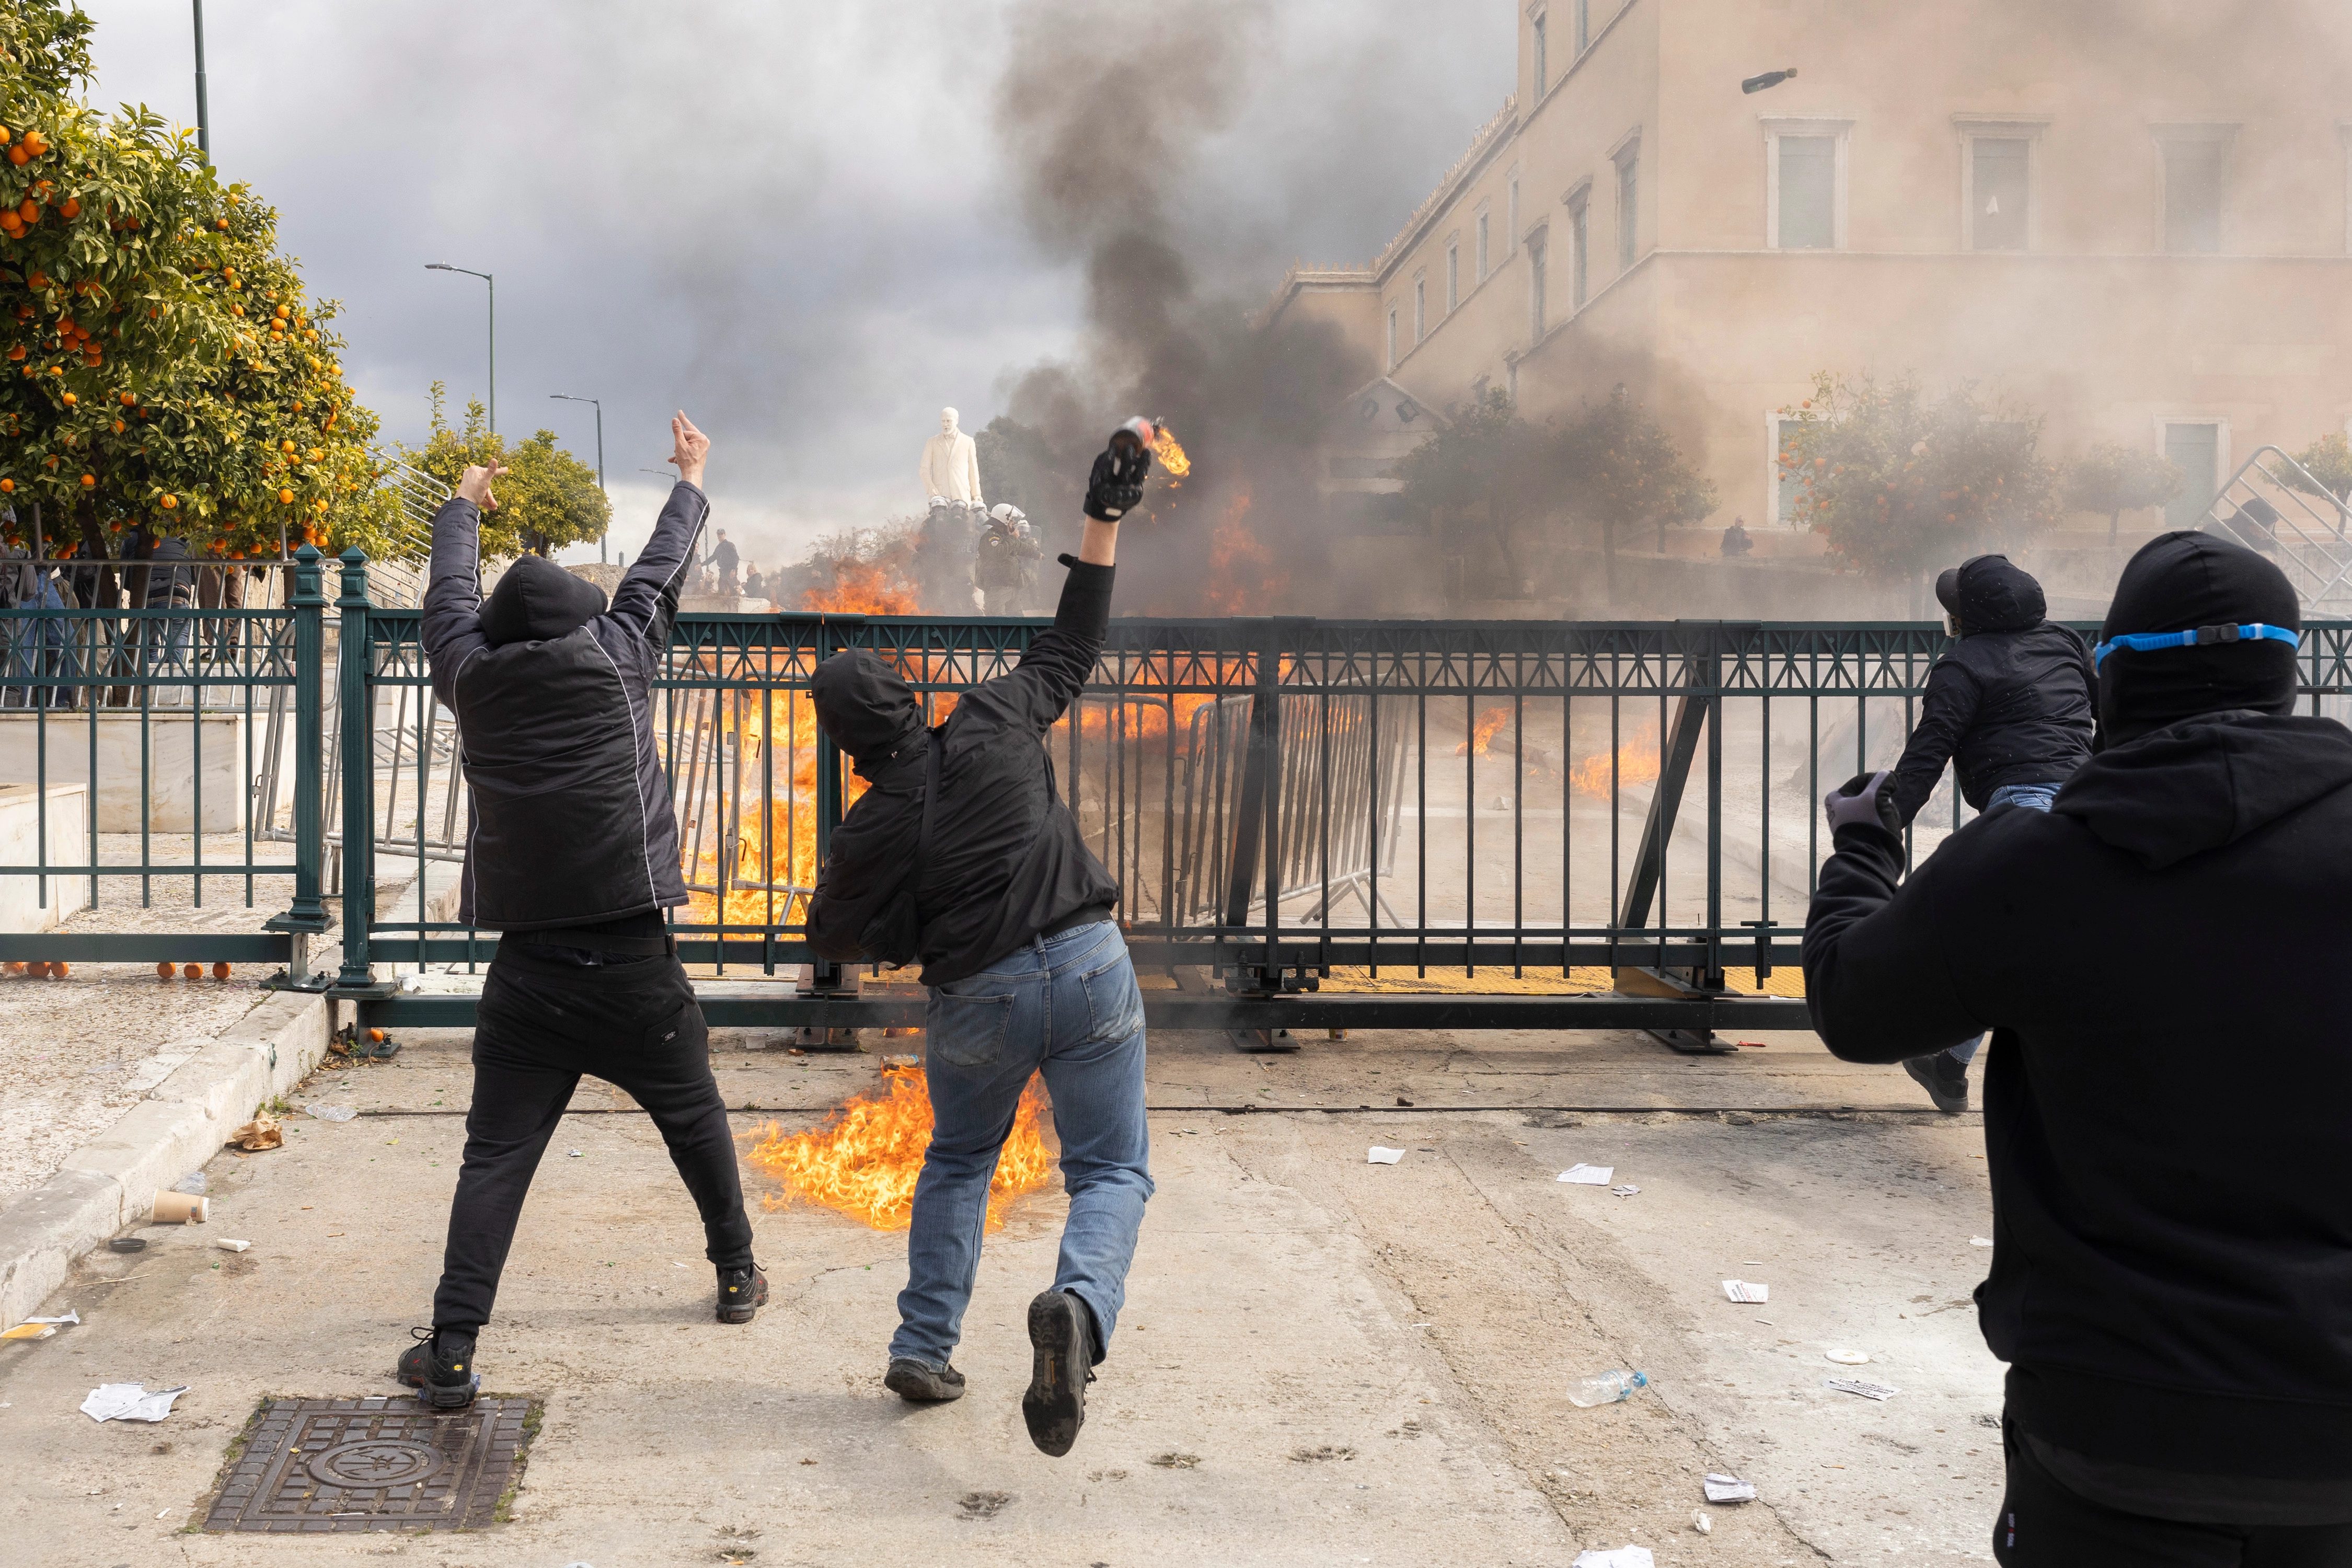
column 1606, row 1388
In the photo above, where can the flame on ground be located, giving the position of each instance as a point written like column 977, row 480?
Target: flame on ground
column 863, row 1161
column 1241, row 580
column 1637, row 764
column 877, row 587
column 1482, row 733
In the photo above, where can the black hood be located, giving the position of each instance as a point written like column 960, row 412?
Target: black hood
column 2206, row 781
column 865, row 707
column 1989, row 595
column 537, row 601
column 2178, row 582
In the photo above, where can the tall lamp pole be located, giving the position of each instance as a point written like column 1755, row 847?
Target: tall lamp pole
column 204, row 119
column 567, row 397
column 445, row 267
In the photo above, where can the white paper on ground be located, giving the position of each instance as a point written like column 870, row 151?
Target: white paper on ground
column 1623, row 1557
column 1746, row 1290
column 1589, row 1175
column 1728, row 1488
column 1847, row 1358
column 1627, row 1191
column 73, row 1315
column 1379, row 1156
column 129, row 1402
column 332, row 1112
column 1980, row 1241
column 227, row 1245
column 1857, row 1385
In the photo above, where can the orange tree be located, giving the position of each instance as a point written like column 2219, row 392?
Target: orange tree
column 1903, row 484
column 172, row 375
column 1486, row 463
column 1622, row 471
column 548, row 498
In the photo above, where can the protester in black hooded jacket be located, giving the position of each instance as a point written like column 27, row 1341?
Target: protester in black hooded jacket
column 1026, row 969
column 2165, row 1108
column 2010, row 707
column 572, row 855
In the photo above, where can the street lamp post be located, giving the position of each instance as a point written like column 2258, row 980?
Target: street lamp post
column 204, row 119
column 567, row 397
column 445, row 267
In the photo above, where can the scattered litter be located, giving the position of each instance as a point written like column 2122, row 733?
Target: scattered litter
column 1765, row 1322
column 30, row 1332
column 1589, row 1175
column 129, row 1402
column 1379, row 1156
column 127, row 1243
column 1700, row 1523
column 178, row 1208
column 1627, row 1556
column 72, row 1317
column 326, row 1112
column 900, row 1063
column 226, row 1245
column 1728, row 1488
column 1753, row 1045
column 1606, row 1388
column 573, row 1152
column 1626, row 1190
column 1856, row 1386
column 1848, row 1358
column 261, row 1132
column 1403, row 1102
column 1980, row 1241
column 195, row 1181
column 1746, row 1290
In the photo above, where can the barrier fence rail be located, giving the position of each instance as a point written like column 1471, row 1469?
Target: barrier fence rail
column 1313, row 824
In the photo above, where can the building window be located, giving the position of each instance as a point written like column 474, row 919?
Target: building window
column 1580, row 247
column 1999, row 194
column 1583, row 26
column 2193, row 170
column 1452, row 277
column 1482, row 244
column 1536, row 306
column 1420, row 308
column 2195, row 449
column 1785, row 483
column 1539, row 52
column 1392, row 346
column 1629, row 204
column 1804, row 183
column 1511, row 236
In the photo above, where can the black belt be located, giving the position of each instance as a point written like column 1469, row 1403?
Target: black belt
column 1093, row 914
column 572, row 936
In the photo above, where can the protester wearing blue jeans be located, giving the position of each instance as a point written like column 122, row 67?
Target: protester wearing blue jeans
column 962, row 855
column 1066, row 1005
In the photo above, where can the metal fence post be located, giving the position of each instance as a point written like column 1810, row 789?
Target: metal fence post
column 307, row 917
column 357, row 729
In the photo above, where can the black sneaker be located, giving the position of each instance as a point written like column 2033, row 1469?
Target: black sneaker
column 440, row 1367
column 741, row 1293
column 1061, row 1331
column 918, row 1384
column 1945, row 1079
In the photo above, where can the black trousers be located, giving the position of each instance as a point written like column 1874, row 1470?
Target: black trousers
column 2045, row 1525
column 545, row 1020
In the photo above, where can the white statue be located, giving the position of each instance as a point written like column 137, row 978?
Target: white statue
column 950, row 467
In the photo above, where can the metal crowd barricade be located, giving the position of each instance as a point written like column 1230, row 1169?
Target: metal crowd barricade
column 148, row 724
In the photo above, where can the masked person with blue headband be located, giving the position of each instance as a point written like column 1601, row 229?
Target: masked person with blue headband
column 2009, row 708
column 2158, row 958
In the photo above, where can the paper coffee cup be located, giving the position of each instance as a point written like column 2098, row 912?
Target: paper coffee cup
column 178, row 1208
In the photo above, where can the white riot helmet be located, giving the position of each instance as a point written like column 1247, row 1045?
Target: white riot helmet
column 1010, row 516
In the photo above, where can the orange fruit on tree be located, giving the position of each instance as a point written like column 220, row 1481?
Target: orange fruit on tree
column 285, row 498
column 7, row 487
column 70, row 398
column 19, row 156
column 88, row 481
column 127, row 400
column 171, row 502
column 70, row 207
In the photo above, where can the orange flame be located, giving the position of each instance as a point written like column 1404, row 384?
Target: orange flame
column 863, row 1161
column 1240, row 578
column 1482, row 733
column 1172, row 457
column 1637, row 764
column 864, row 587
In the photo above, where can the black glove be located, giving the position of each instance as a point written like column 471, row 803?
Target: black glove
column 1863, row 798
column 1117, row 484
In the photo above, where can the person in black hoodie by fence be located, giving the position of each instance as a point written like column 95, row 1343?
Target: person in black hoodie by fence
column 962, row 854
column 2158, row 957
column 2009, row 708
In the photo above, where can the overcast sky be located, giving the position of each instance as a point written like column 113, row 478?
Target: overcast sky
column 792, row 218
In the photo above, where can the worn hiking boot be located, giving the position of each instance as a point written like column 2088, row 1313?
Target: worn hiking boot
column 741, row 1293
column 1945, row 1079
column 440, row 1367
column 1061, row 1331
column 918, row 1384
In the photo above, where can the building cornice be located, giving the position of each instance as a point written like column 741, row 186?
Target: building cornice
column 1490, row 136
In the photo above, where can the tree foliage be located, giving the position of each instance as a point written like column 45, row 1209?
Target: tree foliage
column 548, row 498
column 2329, row 461
column 1487, row 463
column 1624, row 471
column 1901, row 481
column 172, row 375
column 2112, row 479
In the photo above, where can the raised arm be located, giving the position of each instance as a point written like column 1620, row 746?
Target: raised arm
column 1946, row 710
column 646, row 600
column 452, row 586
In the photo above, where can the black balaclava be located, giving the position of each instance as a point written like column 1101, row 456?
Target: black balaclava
column 537, row 601
column 1986, row 593
column 865, row 707
column 2178, row 582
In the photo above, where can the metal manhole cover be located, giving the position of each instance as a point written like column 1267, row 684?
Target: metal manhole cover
column 311, row 1466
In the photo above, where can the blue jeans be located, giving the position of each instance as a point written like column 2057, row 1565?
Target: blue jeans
column 2033, row 797
column 1067, row 1006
